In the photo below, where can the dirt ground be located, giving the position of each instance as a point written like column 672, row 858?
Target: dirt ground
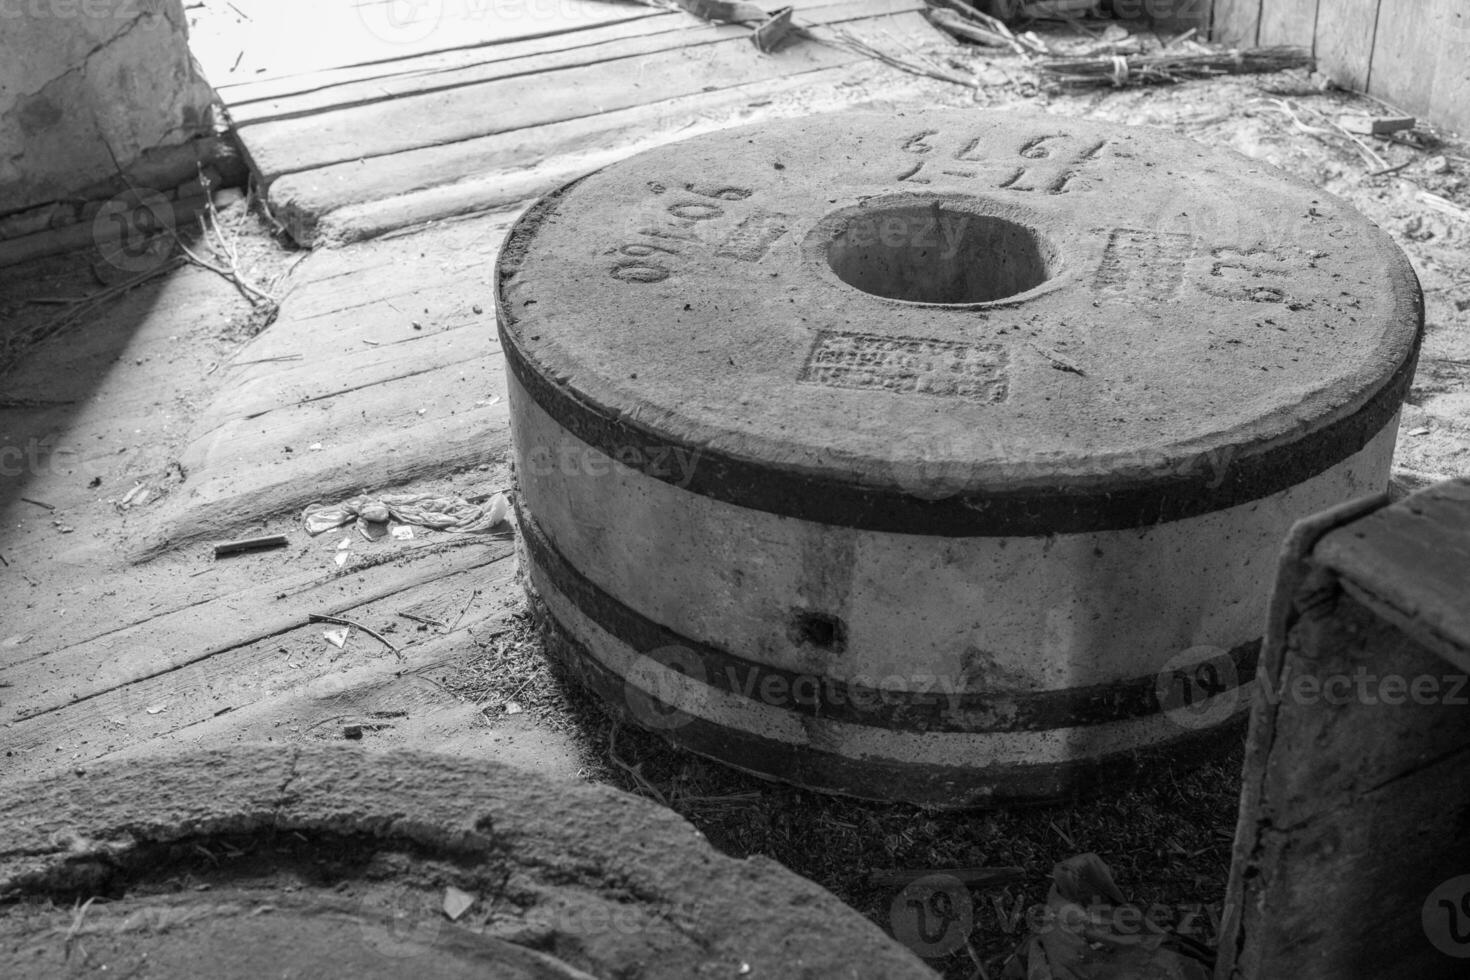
column 1168, row 842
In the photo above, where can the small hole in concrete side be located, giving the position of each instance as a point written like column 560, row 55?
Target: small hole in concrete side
column 819, row 630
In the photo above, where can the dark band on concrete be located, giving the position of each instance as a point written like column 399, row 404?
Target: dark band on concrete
column 935, row 710
column 1003, row 513
column 945, row 787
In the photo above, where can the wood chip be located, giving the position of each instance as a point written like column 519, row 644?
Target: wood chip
column 250, row 544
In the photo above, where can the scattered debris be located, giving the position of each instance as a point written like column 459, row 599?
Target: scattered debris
column 349, row 624
column 435, row 511
column 1365, row 125
column 78, row 913
column 250, row 544
column 768, row 36
column 38, row 503
column 456, row 902
column 1443, row 205
column 513, row 708
column 1089, row 931
column 1165, row 67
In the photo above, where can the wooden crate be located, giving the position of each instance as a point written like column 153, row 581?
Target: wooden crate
column 1352, row 854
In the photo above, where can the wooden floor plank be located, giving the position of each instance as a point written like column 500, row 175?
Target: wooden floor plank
column 236, row 677
column 244, row 93
column 235, row 491
column 359, row 199
column 683, row 32
column 354, row 133
column 279, row 38
column 299, row 384
column 166, row 644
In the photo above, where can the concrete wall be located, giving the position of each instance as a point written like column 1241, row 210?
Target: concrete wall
column 85, row 87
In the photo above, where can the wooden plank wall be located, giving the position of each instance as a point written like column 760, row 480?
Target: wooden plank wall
column 1414, row 54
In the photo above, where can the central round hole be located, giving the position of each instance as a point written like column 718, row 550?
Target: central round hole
column 929, row 253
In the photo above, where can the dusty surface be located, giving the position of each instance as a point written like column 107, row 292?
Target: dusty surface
column 114, row 399
column 694, row 291
column 187, row 851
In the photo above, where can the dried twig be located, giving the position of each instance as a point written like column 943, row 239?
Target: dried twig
column 78, row 914
column 339, row 621
column 638, row 778
column 1165, row 67
column 77, row 311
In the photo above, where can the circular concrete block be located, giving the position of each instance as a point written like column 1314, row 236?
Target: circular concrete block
column 326, row 862
column 941, row 457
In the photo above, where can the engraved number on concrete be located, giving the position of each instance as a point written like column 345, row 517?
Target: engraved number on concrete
column 919, row 142
column 1052, row 172
column 754, row 236
column 1055, row 179
column 645, row 260
column 1146, row 265
column 1253, row 274
column 908, row 365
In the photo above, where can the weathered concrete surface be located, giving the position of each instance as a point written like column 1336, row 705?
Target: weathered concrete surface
column 85, row 87
column 599, row 881
column 1194, row 307
column 942, row 457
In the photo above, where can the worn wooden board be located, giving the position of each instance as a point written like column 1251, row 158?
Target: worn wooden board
column 1450, row 98
column 1360, row 817
column 521, row 102
column 1352, row 797
column 1406, row 52
column 265, row 39
column 289, row 662
column 247, row 91
column 1288, row 22
column 1344, row 45
column 1236, row 22
column 504, row 170
column 623, row 40
column 387, row 403
column 441, row 354
column 165, row 643
column 1411, row 563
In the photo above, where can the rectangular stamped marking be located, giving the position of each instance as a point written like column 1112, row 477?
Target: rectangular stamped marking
column 908, row 365
column 1145, row 265
column 753, row 237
